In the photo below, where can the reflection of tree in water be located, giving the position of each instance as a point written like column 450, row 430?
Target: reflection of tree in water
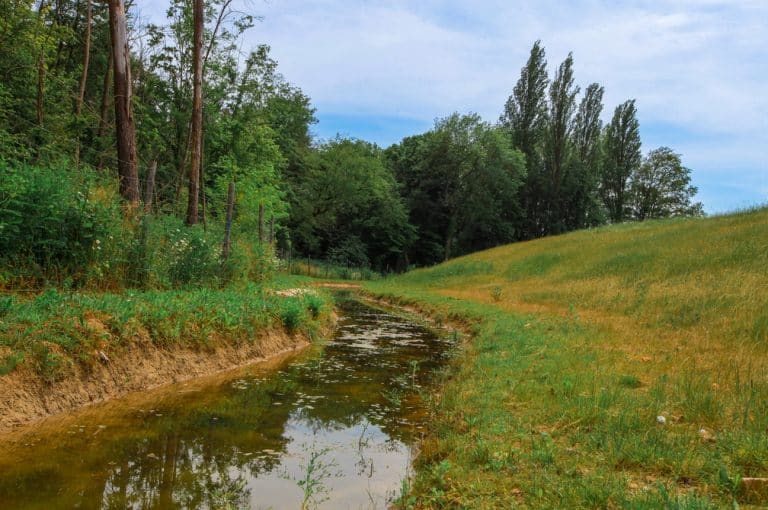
column 182, row 458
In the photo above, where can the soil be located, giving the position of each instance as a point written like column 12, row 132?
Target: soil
column 26, row 397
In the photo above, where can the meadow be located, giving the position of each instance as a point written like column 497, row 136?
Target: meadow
column 620, row 367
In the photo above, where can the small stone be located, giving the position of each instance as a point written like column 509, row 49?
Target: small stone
column 706, row 435
column 103, row 357
column 661, row 420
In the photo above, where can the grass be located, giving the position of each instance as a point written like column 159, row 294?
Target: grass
column 55, row 331
column 580, row 343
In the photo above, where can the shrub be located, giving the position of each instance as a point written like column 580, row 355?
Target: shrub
column 314, row 304
column 291, row 314
column 52, row 223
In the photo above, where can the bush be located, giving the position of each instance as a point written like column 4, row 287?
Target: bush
column 292, row 314
column 52, row 224
column 194, row 259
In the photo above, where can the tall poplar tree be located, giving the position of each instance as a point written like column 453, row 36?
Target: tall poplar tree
column 525, row 119
column 622, row 158
column 584, row 207
column 562, row 104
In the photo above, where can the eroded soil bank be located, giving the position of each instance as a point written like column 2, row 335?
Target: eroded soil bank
column 25, row 396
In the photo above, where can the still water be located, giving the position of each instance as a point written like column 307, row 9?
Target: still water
column 332, row 427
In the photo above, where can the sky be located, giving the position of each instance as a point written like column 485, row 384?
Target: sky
column 382, row 70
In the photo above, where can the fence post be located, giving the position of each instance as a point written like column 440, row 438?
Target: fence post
column 149, row 190
column 228, row 225
column 261, row 223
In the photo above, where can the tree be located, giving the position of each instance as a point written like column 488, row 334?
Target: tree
column 349, row 206
column 525, row 119
column 460, row 182
column 124, row 124
column 622, row 157
column 583, row 207
column 525, row 112
column 84, row 76
column 661, row 187
column 562, row 103
column 197, row 115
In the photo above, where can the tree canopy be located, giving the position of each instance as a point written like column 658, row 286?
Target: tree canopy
column 549, row 165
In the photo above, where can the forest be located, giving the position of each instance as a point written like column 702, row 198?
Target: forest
column 135, row 154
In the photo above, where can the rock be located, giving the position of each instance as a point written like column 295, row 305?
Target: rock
column 706, row 435
column 661, row 420
column 103, row 357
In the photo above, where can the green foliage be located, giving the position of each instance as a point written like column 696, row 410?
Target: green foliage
column 8, row 364
column 661, row 187
column 57, row 331
column 292, row 314
column 193, row 259
column 622, row 158
column 348, row 207
column 460, row 181
column 52, row 227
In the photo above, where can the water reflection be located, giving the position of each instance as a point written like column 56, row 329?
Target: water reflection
column 332, row 427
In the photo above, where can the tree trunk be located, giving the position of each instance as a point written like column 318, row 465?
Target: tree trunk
column 197, row 115
column 39, row 110
column 83, row 77
column 124, row 127
column 227, row 245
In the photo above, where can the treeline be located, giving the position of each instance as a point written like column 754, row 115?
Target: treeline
column 548, row 166
column 123, row 143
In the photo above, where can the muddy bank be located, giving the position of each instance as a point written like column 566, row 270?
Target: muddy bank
column 26, row 397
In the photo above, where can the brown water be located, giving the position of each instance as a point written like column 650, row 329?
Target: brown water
column 339, row 421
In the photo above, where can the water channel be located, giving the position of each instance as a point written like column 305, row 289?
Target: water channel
column 331, row 427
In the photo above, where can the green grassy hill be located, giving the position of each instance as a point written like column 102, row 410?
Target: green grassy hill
column 583, row 341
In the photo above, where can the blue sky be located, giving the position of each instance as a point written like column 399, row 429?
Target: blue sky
column 383, row 70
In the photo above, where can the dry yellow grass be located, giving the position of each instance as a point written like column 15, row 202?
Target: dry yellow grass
column 682, row 291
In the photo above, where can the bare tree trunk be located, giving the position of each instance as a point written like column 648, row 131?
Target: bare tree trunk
column 272, row 230
column 124, row 127
column 39, row 110
column 202, row 183
column 83, row 77
column 149, row 190
column 227, row 245
column 197, row 115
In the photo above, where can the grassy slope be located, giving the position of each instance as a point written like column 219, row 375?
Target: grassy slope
column 581, row 342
